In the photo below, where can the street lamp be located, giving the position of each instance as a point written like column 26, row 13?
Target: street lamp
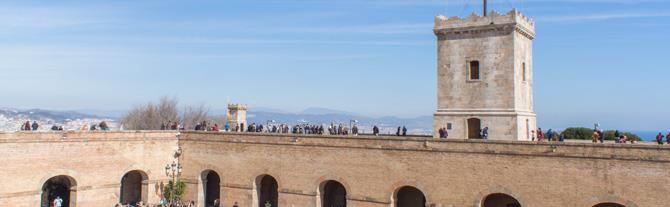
column 173, row 171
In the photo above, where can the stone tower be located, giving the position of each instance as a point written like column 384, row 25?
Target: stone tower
column 237, row 117
column 485, row 76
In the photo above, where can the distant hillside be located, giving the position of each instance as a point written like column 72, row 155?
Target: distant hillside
column 421, row 125
column 41, row 114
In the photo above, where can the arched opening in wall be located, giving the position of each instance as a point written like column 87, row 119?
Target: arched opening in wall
column 60, row 189
column 474, row 128
column 410, row 197
column 134, row 187
column 268, row 191
column 333, row 194
column 609, row 205
column 500, row 200
column 211, row 183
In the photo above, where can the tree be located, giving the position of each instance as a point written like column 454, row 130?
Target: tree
column 578, row 133
column 155, row 116
column 174, row 190
column 194, row 115
column 586, row 134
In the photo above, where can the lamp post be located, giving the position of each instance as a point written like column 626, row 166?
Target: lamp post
column 173, row 171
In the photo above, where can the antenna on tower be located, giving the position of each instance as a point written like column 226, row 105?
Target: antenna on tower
column 485, row 9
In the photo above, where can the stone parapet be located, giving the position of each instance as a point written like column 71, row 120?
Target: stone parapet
column 426, row 144
column 494, row 23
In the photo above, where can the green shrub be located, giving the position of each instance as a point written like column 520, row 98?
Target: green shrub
column 587, row 134
column 578, row 133
column 178, row 191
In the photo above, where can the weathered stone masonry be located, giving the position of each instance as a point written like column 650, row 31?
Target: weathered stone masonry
column 371, row 169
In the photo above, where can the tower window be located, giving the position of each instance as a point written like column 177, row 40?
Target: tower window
column 473, row 70
column 523, row 68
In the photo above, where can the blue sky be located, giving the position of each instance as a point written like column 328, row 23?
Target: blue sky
column 595, row 60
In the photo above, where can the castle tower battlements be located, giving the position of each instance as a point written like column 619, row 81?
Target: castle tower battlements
column 493, row 18
column 485, row 76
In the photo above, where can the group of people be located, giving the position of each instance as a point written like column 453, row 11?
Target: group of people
column 659, row 138
column 27, row 126
column 549, row 136
column 30, row 127
column 444, row 133
column 401, row 131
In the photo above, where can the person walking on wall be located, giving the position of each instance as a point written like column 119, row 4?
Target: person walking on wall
column 667, row 138
column 601, row 136
column 595, row 136
column 35, row 126
column 485, row 133
column 540, row 135
column 659, row 138
column 397, row 133
column 550, row 135
column 404, row 131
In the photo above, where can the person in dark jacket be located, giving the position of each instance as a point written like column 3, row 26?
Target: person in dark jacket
column 375, row 131
column 404, row 131
column 397, row 133
column 659, row 138
column 35, row 126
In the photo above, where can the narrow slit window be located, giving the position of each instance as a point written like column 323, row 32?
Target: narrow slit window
column 523, row 68
column 474, row 70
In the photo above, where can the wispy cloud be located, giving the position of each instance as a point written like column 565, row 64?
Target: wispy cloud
column 16, row 18
column 600, row 17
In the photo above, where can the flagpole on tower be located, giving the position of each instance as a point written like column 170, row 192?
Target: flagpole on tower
column 485, row 9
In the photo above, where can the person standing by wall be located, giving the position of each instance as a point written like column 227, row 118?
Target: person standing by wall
column 595, row 137
column 659, row 138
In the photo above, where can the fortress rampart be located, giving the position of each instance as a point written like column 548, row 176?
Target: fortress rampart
column 371, row 169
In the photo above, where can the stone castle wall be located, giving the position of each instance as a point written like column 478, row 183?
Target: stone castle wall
column 449, row 173
column 96, row 161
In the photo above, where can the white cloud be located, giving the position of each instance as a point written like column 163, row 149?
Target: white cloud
column 599, row 17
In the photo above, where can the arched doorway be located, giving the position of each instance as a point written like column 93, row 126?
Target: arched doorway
column 211, row 182
column 63, row 187
column 134, row 188
column 500, row 200
column 609, row 205
column 474, row 128
column 410, row 197
column 267, row 191
column 333, row 194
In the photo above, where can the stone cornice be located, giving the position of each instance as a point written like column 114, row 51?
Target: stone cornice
column 482, row 31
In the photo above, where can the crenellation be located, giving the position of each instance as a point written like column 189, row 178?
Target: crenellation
column 494, row 18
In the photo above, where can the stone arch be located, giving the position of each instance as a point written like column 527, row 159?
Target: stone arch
column 211, row 188
column 409, row 196
column 474, row 126
column 266, row 189
column 331, row 193
column 609, row 200
column 609, row 205
column 60, row 186
column 498, row 190
column 134, row 187
column 500, row 200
